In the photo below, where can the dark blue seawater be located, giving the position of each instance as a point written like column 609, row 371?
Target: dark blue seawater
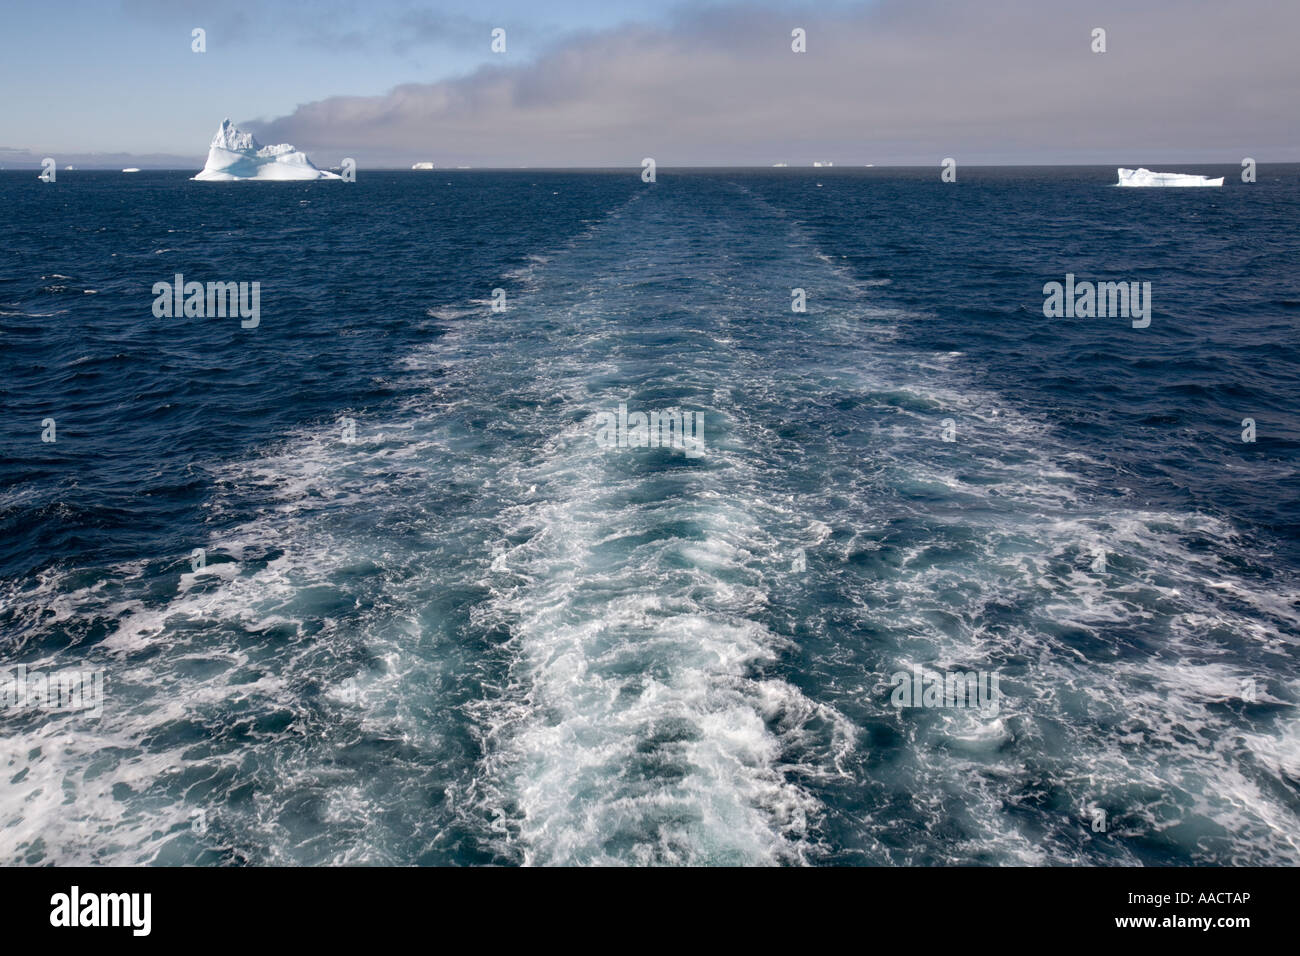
column 475, row 635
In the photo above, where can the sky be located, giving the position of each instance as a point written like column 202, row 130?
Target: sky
column 603, row 83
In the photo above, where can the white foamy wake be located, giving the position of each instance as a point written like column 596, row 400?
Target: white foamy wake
column 638, row 726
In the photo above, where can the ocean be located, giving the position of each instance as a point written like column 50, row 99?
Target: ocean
column 394, row 576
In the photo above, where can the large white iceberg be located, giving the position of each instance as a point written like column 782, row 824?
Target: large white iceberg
column 235, row 154
column 1144, row 177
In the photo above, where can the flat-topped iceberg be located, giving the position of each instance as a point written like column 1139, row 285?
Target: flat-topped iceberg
column 235, row 154
column 1144, row 177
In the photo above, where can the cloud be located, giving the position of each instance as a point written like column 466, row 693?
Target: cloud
column 900, row 81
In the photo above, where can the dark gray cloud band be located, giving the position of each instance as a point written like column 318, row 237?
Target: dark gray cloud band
column 903, row 81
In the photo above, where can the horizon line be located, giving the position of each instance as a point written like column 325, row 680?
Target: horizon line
column 636, row 167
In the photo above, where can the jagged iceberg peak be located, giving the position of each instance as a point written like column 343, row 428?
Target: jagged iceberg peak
column 235, row 154
column 234, row 139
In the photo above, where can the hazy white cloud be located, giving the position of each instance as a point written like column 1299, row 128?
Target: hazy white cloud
column 900, row 81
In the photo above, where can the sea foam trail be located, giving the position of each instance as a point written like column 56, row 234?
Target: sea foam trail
column 643, row 721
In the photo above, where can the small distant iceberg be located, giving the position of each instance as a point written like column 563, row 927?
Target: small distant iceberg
column 236, row 155
column 1144, row 177
column 423, row 166
column 820, row 164
column 131, row 169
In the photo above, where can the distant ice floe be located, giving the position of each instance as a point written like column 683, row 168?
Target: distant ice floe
column 1144, row 177
column 235, row 155
column 423, row 166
